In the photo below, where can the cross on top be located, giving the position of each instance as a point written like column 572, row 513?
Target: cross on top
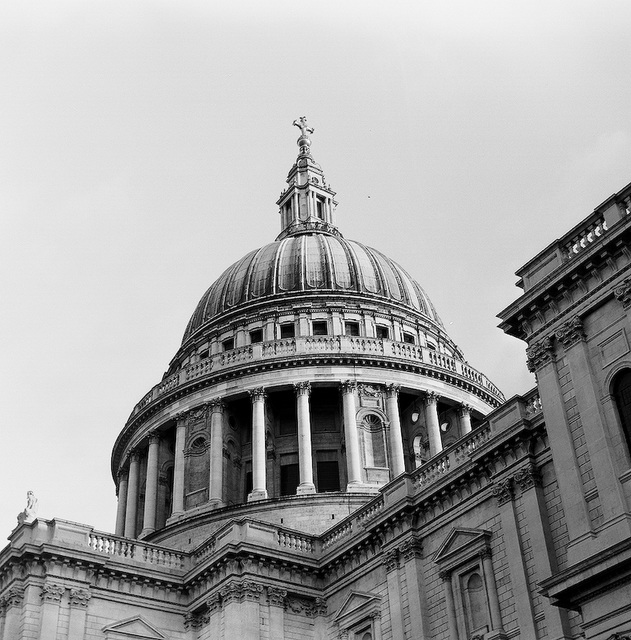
column 301, row 123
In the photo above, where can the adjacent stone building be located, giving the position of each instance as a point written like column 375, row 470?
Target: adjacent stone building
column 319, row 461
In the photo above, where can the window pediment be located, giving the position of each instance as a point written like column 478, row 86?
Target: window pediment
column 356, row 607
column 460, row 545
column 133, row 628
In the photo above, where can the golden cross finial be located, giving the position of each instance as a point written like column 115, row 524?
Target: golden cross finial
column 301, row 123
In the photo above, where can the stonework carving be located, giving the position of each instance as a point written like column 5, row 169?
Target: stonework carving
column 276, row 596
column 390, row 560
column 527, row 477
column 392, row 390
column 539, row 354
column 192, row 621
column 302, row 388
column 344, row 634
column 445, row 576
column 217, row 406
column 503, row 491
column 623, row 295
column 52, row 592
column 411, row 549
column 213, row 602
column 79, row 598
column 348, row 386
column 13, row 597
column 464, row 410
column 431, row 397
column 619, row 636
column 257, row 395
column 30, row 511
column 317, row 608
column 570, row 332
column 238, row 591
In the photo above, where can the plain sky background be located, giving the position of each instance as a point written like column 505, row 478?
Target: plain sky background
column 143, row 146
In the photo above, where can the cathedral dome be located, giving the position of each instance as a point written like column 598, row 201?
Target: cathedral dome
column 309, row 262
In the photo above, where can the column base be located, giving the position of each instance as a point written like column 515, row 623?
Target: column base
column 305, row 488
column 259, row 494
column 144, row 533
column 216, row 503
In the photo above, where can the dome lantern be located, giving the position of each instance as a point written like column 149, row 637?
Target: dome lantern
column 308, row 204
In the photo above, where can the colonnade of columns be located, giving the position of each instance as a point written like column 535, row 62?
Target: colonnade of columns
column 129, row 481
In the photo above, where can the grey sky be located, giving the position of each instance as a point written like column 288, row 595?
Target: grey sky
column 143, row 146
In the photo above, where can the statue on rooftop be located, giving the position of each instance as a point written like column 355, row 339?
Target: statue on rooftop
column 30, row 512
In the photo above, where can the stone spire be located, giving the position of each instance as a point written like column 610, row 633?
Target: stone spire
column 307, row 205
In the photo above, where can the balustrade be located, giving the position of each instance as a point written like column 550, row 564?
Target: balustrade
column 123, row 548
column 318, row 344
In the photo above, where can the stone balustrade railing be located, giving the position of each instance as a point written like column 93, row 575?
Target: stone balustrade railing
column 296, row 541
column 135, row 550
column 305, row 345
column 590, row 232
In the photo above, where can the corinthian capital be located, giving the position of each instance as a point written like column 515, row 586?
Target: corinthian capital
column 302, row 388
column 623, row 293
column 570, row 332
column 539, row 354
column 258, row 394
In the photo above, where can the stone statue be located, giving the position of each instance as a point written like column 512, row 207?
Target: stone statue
column 30, row 513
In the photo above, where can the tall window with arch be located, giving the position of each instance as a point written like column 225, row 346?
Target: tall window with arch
column 622, row 397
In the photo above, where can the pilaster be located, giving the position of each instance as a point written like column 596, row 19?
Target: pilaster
column 411, row 554
column 276, row 599
column 390, row 561
column 79, row 599
column 51, row 596
column 13, row 600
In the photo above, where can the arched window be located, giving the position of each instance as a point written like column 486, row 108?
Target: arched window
column 622, row 396
column 475, row 602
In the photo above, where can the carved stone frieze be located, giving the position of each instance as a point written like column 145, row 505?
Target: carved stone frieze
column 390, row 560
column 52, row 592
column 570, row 332
column 79, row 598
column 276, row 596
column 317, row 608
column 539, row 354
column 503, row 491
column 623, row 294
column 527, row 477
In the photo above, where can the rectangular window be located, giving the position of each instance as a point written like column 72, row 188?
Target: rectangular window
column 382, row 332
column 289, row 479
column 320, row 328
column 228, row 344
column 248, row 485
column 256, row 336
column 351, row 328
column 287, row 330
column 409, row 338
column 320, row 207
column 328, row 475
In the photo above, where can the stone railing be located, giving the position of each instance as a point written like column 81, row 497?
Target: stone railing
column 591, row 231
column 135, row 550
column 296, row 541
column 308, row 345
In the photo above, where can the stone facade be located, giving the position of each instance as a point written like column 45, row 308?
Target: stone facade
column 358, row 479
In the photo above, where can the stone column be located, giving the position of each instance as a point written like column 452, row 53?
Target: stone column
column 599, row 443
column 396, row 438
column 259, row 484
column 353, row 461
column 132, row 495
column 13, row 599
column 503, row 490
column 79, row 599
column 452, row 622
column 494, row 603
column 122, row 502
column 391, row 563
column 276, row 598
column 305, row 459
column 179, row 465
column 215, row 487
column 433, row 426
column 214, row 615
column 541, row 363
column 528, row 479
column 465, row 418
column 411, row 552
column 49, row 617
column 151, row 486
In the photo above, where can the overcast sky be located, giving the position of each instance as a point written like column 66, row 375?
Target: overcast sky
column 143, row 146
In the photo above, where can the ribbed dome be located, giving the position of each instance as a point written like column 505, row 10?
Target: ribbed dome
column 310, row 262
